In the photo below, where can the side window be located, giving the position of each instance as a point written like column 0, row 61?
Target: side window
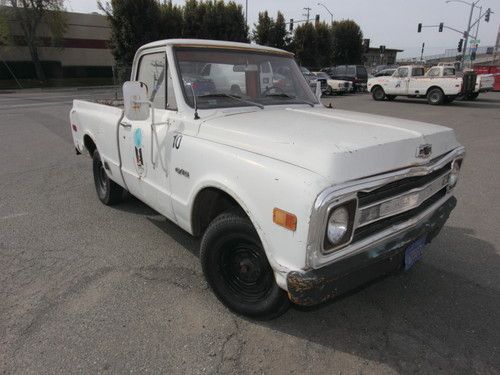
column 434, row 72
column 171, row 101
column 341, row 70
column 403, row 72
column 448, row 72
column 152, row 73
column 417, row 72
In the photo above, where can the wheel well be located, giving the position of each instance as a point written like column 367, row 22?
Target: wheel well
column 89, row 144
column 208, row 204
column 374, row 87
column 433, row 87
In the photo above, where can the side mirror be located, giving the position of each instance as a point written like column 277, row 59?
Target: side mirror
column 135, row 100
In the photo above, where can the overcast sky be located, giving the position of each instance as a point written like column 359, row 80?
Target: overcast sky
column 389, row 22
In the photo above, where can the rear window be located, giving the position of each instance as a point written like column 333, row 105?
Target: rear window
column 362, row 73
column 340, row 70
column 351, row 70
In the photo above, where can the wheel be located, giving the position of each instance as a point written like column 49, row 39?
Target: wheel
column 435, row 96
column 472, row 96
column 378, row 93
column 390, row 97
column 109, row 192
column 329, row 91
column 236, row 268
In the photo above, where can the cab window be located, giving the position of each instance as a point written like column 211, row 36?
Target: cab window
column 152, row 72
column 417, row 72
column 434, row 72
column 448, row 71
column 402, row 72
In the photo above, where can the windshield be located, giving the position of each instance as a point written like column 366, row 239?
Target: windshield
column 218, row 77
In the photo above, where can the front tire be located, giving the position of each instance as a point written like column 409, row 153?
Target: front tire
column 236, row 268
column 378, row 93
column 109, row 192
column 435, row 96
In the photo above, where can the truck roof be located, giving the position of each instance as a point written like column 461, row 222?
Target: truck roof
column 214, row 44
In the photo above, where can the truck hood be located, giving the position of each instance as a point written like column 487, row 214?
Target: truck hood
column 338, row 145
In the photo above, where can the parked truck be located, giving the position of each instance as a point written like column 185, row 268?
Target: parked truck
column 294, row 202
column 439, row 85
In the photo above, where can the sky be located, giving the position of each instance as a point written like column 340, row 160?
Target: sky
column 392, row 23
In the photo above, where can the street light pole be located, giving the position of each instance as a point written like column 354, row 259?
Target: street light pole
column 328, row 10
column 468, row 29
column 246, row 12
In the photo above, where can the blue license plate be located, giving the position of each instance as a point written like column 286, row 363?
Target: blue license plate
column 414, row 252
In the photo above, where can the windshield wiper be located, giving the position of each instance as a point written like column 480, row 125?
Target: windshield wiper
column 222, row 95
column 286, row 96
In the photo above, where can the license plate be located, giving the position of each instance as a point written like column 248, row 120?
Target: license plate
column 414, row 252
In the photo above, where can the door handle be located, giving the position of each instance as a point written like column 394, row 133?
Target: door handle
column 126, row 124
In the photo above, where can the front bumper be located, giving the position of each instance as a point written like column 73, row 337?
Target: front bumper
column 318, row 285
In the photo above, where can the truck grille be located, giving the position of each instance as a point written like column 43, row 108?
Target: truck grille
column 399, row 201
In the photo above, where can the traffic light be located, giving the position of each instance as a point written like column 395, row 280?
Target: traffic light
column 291, row 24
column 460, row 45
column 366, row 45
column 317, row 19
column 382, row 49
column 441, row 25
column 419, row 30
column 487, row 16
column 473, row 55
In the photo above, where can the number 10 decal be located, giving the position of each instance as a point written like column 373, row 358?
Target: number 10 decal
column 177, row 141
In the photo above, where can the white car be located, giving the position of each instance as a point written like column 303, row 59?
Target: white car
column 334, row 86
column 440, row 84
column 294, row 202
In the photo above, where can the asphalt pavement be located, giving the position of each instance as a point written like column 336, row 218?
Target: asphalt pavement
column 86, row 288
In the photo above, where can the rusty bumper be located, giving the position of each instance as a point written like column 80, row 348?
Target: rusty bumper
column 315, row 286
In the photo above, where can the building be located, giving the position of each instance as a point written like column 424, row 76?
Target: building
column 373, row 57
column 84, row 51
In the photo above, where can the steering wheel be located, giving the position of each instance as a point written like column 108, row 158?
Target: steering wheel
column 266, row 91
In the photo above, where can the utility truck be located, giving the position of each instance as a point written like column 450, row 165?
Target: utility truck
column 439, row 85
column 294, row 202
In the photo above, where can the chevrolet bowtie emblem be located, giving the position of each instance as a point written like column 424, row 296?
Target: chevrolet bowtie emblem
column 424, row 151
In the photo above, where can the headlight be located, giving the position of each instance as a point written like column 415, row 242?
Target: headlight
column 455, row 172
column 339, row 226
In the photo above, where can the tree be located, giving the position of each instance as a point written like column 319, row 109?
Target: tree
column 171, row 21
column 347, row 42
column 133, row 24
column 30, row 14
column 263, row 29
column 279, row 35
column 324, row 55
column 305, row 45
column 4, row 29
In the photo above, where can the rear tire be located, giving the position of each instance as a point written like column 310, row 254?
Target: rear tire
column 378, row 93
column 109, row 192
column 236, row 268
column 435, row 96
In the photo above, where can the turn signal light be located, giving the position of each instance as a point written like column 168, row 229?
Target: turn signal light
column 285, row 219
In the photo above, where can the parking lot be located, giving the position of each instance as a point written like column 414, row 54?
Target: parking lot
column 86, row 288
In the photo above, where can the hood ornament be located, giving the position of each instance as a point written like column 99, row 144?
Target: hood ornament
column 424, row 151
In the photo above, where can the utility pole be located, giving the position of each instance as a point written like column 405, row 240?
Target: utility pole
column 328, row 10
column 246, row 12
column 472, row 5
column 422, row 52
column 477, row 28
column 308, row 10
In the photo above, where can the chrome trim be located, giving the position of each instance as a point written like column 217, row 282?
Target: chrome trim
column 315, row 257
column 422, row 194
column 333, row 206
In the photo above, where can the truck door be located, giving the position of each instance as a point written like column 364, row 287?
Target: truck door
column 400, row 82
column 144, row 145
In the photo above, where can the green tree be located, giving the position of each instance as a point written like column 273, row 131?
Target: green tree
column 279, row 35
column 30, row 14
column 4, row 29
column 263, row 29
column 171, row 20
column 304, row 45
column 324, row 54
column 133, row 23
column 347, row 42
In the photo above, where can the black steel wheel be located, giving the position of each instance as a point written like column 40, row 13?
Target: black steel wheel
column 378, row 93
column 435, row 96
column 236, row 268
column 108, row 191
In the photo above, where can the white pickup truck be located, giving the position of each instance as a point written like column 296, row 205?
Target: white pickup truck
column 440, row 84
column 294, row 202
